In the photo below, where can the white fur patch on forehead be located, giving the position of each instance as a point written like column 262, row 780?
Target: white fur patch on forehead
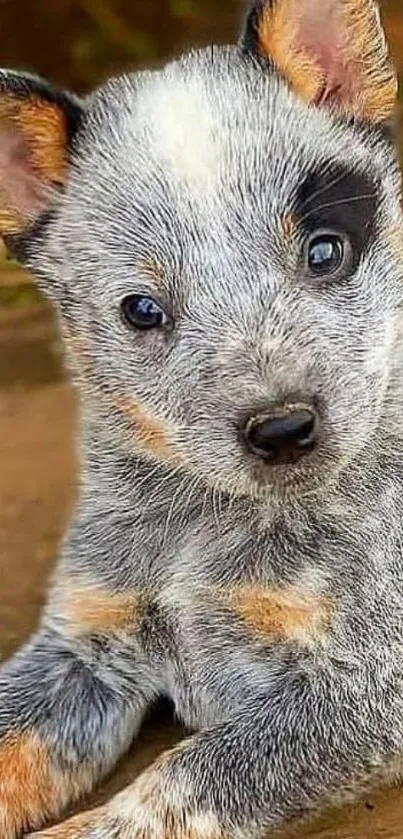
column 182, row 125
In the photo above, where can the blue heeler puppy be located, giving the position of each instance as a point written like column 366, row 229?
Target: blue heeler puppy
column 222, row 243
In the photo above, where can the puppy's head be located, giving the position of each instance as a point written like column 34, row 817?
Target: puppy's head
column 222, row 240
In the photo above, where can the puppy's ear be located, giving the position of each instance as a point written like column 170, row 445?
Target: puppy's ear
column 332, row 53
column 37, row 129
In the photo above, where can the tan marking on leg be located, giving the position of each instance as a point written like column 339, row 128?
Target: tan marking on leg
column 149, row 432
column 32, row 791
column 162, row 806
column 283, row 614
column 75, row 827
column 92, row 611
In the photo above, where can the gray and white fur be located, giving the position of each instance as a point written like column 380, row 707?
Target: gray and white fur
column 257, row 585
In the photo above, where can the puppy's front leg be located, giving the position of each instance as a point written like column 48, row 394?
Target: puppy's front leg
column 281, row 758
column 70, row 703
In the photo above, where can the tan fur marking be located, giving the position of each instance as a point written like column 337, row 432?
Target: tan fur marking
column 376, row 80
column 149, row 432
column 44, row 127
column 152, row 268
column 31, row 790
column 370, row 82
column 166, row 827
column 157, row 806
column 73, row 828
column 289, row 224
column 278, row 40
column 89, row 611
column 37, row 130
column 148, row 808
column 11, row 222
column 283, row 614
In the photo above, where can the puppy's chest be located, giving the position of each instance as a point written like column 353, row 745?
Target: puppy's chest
column 239, row 620
column 227, row 643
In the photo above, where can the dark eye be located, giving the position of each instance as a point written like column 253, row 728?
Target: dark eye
column 143, row 312
column 329, row 255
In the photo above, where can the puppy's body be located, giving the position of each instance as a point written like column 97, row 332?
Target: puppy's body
column 256, row 584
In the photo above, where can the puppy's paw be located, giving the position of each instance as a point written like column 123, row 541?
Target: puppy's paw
column 154, row 807
column 95, row 824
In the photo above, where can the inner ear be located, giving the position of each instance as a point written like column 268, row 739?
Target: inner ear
column 331, row 52
column 22, row 193
column 37, row 127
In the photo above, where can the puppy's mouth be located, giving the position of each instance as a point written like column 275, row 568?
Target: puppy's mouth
column 289, row 474
column 273, row 482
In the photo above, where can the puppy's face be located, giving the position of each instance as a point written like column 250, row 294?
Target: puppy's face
column 225, row 249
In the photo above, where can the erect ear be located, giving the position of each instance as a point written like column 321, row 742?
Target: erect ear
column 332, row 53
column 37, row 129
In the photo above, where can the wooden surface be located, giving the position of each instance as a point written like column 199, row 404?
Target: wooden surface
column 36, row 490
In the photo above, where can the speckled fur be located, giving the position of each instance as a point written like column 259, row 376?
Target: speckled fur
column 178, row 186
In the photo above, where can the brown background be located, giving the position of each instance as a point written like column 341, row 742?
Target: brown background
column 77, row 43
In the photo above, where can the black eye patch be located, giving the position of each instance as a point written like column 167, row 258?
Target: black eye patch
column 337, row 198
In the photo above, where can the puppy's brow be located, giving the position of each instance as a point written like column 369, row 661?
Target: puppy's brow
column 289, row 224
column 152, row 267
column 332, row 183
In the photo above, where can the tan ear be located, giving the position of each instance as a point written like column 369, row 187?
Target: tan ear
column 332, row 53
column 36, row 128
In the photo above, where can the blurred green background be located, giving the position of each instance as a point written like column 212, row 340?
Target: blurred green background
column 78, row 43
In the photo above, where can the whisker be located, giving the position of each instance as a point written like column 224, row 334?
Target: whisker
column 148, row 476
column 205, row 497
column 171, row 508
column 329, row 185
column 193, row 486
column 220, row 499
column 158, row 490
column 216, row 517
column 341, row 201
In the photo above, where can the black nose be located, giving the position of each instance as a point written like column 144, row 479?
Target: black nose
column 284, row 433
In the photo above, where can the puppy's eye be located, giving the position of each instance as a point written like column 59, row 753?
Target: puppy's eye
column 329, row 256
column 143, row 312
